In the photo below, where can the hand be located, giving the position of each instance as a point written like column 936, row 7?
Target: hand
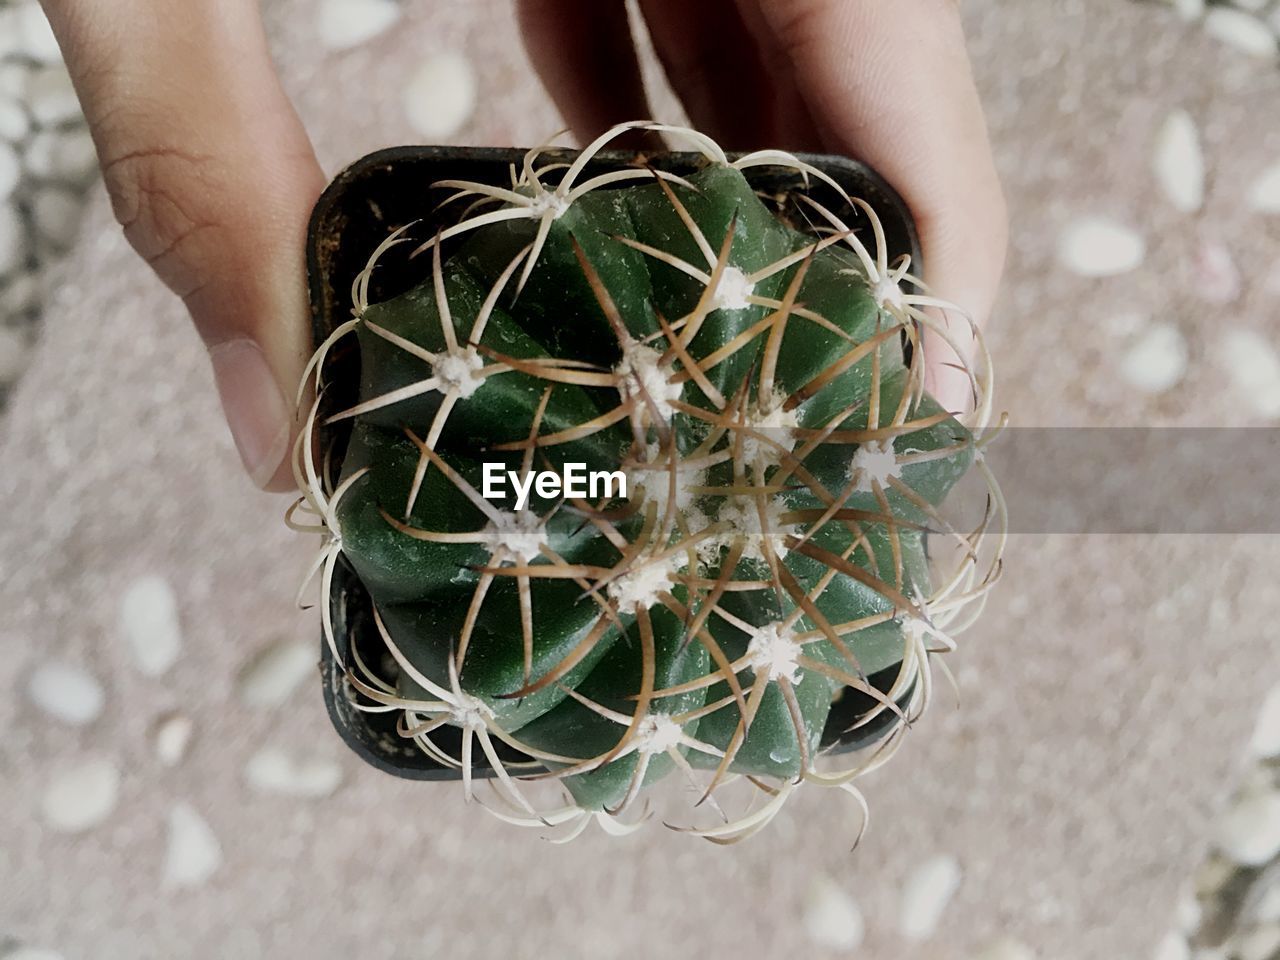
column 213, row 178
column 885, row 81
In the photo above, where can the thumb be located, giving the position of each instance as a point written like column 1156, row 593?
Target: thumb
column 213, row 179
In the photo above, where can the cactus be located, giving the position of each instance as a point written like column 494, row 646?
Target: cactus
column 758, row 385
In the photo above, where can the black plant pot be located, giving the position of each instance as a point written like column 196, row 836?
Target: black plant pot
column 389, row 188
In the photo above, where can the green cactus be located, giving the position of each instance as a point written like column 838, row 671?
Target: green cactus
column 748, row 380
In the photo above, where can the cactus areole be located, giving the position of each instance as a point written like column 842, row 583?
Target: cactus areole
column 625, row 470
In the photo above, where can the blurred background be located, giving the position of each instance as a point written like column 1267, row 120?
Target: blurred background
column 1107, row 786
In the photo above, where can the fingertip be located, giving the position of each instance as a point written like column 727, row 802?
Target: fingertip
column 965, row 245
column 257, row 411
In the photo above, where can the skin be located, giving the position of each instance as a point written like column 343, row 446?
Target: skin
column 212, row 175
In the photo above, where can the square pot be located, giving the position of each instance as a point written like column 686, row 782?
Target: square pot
column 392, row 187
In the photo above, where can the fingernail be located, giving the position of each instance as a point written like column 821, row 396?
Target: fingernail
column 255, row 407
column 946, row 380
